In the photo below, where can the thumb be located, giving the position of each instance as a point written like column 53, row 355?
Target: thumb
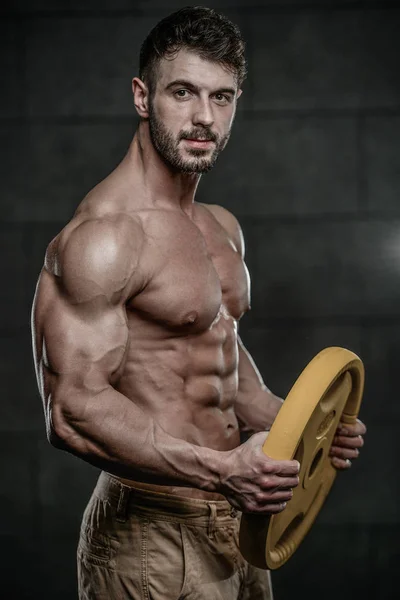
column 260, row 437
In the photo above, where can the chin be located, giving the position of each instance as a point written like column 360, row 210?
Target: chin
column 197, row 167
column 202, row 162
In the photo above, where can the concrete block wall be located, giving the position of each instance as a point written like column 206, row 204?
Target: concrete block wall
column 312, row 172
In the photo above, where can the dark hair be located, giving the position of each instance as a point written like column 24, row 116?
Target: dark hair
column 208, row 33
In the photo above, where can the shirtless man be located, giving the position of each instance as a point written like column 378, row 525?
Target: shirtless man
column 139, row 363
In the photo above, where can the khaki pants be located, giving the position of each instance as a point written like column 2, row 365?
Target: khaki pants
column 144, row 545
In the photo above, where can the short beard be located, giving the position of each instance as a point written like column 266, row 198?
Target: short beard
column 168, row 147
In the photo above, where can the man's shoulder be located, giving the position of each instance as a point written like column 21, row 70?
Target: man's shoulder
column 108, row 236
column 229, row 222
column 96, row 253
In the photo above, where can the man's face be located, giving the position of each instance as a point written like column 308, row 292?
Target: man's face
column 191, row 111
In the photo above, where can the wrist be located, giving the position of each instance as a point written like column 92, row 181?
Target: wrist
column 211, row 473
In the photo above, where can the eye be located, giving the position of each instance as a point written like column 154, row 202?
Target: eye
column 222, row 98
column 181, row 93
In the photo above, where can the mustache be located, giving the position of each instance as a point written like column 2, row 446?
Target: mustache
column 200, row 135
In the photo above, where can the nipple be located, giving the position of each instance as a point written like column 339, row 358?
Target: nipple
column 190, row 318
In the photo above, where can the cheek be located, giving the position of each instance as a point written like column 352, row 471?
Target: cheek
column 224, row 129
column 172, row 115
column 223, row 122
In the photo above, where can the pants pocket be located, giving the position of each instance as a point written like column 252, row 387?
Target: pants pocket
column 94, row 546
column 95, row 534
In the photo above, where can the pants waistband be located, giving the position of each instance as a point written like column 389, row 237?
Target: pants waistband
column 129, row 499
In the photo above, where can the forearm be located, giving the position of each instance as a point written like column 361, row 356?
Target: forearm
column 256, row 409
column 256, row 406
column 114, row 434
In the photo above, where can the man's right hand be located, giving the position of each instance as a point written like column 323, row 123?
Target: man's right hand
column 253, row 482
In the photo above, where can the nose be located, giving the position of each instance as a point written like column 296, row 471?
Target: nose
column 203, row 114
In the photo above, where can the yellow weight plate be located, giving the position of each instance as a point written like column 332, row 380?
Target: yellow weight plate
column 328, row 390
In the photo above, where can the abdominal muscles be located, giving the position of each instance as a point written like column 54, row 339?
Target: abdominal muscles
column 187, row 380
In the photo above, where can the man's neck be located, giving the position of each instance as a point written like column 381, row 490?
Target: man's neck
column 160, row 183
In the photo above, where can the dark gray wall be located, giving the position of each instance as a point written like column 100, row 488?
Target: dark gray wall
column 312, row 172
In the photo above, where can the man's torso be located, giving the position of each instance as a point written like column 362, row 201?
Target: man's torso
column 181, row 359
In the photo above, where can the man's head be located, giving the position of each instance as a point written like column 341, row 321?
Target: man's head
column 191, row 68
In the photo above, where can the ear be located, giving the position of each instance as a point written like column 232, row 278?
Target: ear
column 240, row 92
column 140, row 97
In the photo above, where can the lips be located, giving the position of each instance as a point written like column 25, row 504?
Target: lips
column 198, row 143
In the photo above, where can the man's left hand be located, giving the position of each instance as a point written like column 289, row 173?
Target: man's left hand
column 346, row 443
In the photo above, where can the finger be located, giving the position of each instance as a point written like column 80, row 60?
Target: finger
column 340, row 463
column 274, row 497
column 345, row 453
column 280, row 496
column 283, row 468
column 261, row 500
column 270, row 508
column 279, row 483
column 348, row 442
column 275, row 508
column 352, row 429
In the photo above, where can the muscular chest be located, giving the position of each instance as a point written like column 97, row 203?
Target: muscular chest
column 195, row 273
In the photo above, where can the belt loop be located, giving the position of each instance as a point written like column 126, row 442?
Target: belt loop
column 123, row 501
column 212, row 520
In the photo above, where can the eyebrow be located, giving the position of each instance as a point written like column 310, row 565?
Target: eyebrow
column 195, row 88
